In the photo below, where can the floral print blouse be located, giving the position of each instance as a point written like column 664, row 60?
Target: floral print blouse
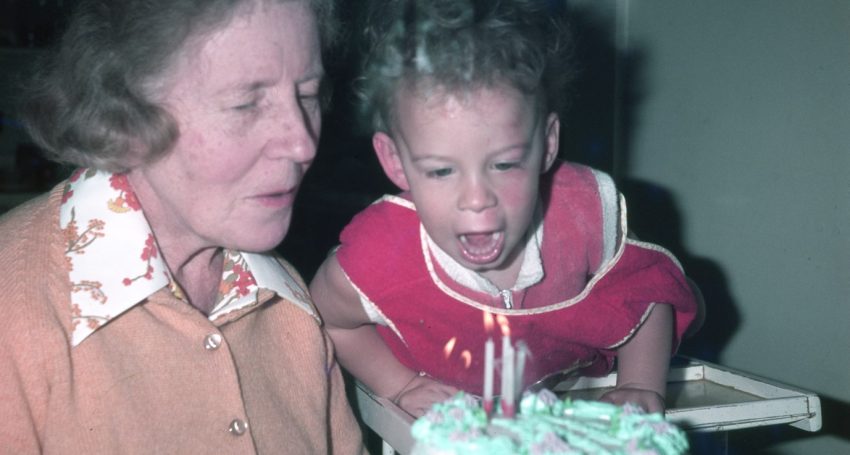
column 114, row 261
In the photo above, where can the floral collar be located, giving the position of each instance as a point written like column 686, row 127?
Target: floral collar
column 114, row 261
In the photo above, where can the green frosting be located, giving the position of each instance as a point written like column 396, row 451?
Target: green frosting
column 545, row 425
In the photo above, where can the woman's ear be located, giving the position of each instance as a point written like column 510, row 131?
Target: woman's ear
column 390, row 160
column 553, row 137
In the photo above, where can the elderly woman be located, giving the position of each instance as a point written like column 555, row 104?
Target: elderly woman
column 141, row 311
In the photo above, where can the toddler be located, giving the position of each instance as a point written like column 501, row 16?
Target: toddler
column 464, row 98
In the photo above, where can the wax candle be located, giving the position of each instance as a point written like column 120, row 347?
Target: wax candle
column 508, row 388
column 521, row 354
column 488, row 375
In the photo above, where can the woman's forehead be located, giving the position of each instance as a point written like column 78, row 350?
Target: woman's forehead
column 263, row 42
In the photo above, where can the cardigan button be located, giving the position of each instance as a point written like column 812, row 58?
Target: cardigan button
column 212, row 341
column 238, row 427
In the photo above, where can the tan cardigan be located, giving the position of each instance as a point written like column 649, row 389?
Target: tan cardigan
column 148, row 381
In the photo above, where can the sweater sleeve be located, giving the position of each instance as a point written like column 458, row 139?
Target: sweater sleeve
column 33, row 348
column 34, row 345
column 22, row 398
column 344, row 438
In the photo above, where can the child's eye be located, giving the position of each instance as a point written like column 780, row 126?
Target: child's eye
column 507, row 165
column 439, row 173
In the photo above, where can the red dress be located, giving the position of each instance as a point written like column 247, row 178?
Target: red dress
column 578, row 314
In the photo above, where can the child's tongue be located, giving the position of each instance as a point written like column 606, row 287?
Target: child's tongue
column 481, row 248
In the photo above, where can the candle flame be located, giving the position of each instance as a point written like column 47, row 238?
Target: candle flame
column 503, row 324
column 467, row 358
column 449, row 347
column 488, row 321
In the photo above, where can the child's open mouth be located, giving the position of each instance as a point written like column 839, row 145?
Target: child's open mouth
column 482, row 248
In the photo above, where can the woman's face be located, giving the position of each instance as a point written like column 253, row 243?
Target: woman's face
column 246, row 101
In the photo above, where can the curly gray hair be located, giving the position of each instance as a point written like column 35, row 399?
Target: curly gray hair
column 457, row 45
column 89, row 103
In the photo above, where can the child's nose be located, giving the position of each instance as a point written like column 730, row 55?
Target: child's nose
column 476, row 195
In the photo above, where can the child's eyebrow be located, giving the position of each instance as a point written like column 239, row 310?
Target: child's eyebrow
column 525, row 145
column 428, row 157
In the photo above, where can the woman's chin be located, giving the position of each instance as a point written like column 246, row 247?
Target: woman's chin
column 261, row 241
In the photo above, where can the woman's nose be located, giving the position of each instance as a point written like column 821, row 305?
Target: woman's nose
column 293, row 134
column 476, row 195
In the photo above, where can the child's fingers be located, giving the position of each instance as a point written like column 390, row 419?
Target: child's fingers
column 423, row 394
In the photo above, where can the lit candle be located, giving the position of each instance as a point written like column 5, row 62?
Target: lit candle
column 521, row 354
column 507, row 396
column 508, row 388
column 488, row 375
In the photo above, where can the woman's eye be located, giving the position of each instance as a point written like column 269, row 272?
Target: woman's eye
column 312, row 93
column 251, row 105
column 309, row 100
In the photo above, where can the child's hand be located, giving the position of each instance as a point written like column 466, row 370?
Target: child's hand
column 643, row 362
column 649, row 400
column 422, row 392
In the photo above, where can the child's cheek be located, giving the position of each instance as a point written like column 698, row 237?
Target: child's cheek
column 518, row 191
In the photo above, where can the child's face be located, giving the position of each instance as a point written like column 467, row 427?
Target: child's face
column 472, row 164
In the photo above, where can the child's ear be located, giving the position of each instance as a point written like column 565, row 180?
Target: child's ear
column 390, row 160
column 553, row 137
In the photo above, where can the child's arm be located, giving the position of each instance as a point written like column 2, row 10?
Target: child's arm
column 362, row 351
column 643, row 362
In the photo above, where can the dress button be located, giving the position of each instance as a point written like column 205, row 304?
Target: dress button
column 238, row 427
column 212, row 341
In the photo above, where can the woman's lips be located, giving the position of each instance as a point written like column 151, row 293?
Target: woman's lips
column 277, row 199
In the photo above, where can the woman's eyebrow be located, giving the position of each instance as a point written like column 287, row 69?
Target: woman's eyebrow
column 243, row 87
column 254, row 85
column 312, row 76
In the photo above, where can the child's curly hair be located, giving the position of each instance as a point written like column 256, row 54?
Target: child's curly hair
column 458, row 45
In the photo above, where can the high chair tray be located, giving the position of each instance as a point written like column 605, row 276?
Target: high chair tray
column 701, row 396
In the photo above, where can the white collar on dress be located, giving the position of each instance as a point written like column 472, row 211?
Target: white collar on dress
column 115, row 263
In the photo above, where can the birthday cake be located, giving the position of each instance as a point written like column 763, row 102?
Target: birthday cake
column 544, row 425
